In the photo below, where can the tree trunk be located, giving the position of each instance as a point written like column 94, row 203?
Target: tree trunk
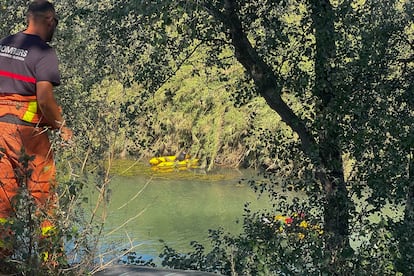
column 337, row 202
column 329, row 159
column 404, row 235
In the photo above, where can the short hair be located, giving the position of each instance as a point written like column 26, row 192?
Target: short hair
column 40, row 7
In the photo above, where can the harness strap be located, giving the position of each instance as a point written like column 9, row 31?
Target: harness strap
column 12, row 119
column 25, row 108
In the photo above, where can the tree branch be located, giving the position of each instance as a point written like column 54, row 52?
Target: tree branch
column 266, row 81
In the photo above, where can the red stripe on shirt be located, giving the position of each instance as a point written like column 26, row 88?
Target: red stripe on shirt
column 17, row 76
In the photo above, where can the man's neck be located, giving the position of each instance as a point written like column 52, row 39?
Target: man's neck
column 33, row 31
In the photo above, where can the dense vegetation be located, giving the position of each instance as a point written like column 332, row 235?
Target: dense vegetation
column 316, row 93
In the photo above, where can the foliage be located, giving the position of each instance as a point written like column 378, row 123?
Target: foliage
column 359, row 99
column 132, row 258
column 194, row 111
column 286, row 242
column 31, row 248
column 269, row 245
column 151, row 78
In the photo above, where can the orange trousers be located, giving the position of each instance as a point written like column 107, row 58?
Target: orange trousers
column 17, row 141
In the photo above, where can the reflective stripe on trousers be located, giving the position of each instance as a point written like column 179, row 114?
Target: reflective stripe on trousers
column 15, row 139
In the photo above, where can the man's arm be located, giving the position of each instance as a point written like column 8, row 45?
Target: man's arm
column 50, row 109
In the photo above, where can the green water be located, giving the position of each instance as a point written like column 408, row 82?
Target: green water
column 176, row 207
column 145, row 207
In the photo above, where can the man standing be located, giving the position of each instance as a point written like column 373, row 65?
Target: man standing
column 28, row 73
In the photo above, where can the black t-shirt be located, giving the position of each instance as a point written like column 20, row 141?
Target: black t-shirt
column 24, row 60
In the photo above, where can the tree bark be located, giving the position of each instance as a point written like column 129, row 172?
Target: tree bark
column 326, row 153
column 338, row 204
column 405, row 264
column 263, row 76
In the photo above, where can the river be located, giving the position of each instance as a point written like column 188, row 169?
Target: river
column 176, row 207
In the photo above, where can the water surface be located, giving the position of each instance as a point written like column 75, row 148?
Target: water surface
column 176, row 207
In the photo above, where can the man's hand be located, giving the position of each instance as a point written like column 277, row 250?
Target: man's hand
column 66, row 134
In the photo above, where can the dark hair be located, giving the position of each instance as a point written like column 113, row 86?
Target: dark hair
column 38, row 7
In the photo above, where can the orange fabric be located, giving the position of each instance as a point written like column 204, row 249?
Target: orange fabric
column 34, row 142
column 18, row 105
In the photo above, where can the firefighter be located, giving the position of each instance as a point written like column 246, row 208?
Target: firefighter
column 28, row 109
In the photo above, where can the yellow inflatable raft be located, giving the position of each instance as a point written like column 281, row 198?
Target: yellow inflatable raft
column 171, row 162
column 157, row 160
